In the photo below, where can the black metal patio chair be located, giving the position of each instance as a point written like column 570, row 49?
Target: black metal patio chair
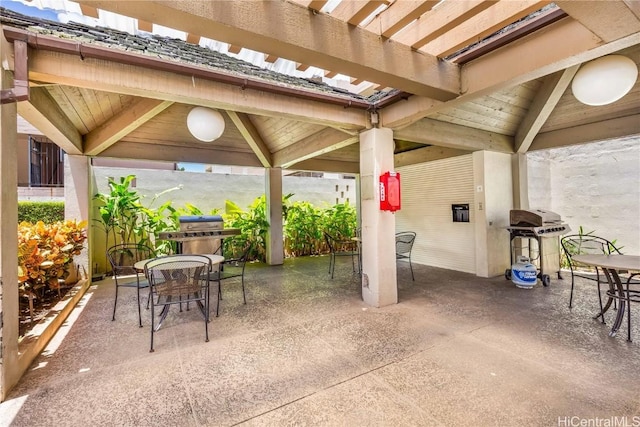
column 341, row 247
column 584, row 244
column 178, row 279
column 122, row 258
column 232, row 268
column 404, row 246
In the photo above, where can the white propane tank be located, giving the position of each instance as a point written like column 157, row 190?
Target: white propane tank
column 524, row 274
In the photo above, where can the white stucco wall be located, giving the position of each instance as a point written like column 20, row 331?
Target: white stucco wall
column 596, row 186
column 210, row 190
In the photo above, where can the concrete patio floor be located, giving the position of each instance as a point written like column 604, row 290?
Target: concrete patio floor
column 305, row 350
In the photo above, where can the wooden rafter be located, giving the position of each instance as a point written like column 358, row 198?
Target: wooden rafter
column 263, row 29
column 123, row 123
column 426, row 154
column 46, row 116
column 319, row 143
column 399, row 15
column 52, row 67
column 354, row 12
column 252, row 136
column 439, row 21
column 545, row 101
column 433, row 132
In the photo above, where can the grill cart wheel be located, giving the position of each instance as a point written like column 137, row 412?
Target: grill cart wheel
column 507, row 274
column 546, row 280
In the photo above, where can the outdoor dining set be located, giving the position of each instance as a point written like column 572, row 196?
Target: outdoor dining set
column 179, row 279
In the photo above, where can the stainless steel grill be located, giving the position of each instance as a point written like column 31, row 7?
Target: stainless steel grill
column 544, row 227
column 536, row 223
column 200, row 234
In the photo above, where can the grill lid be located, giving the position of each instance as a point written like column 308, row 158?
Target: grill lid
column 533, row 218
column 200, row 222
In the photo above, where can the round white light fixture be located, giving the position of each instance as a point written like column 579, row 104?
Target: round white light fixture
column 604, row 80
column 205, row 124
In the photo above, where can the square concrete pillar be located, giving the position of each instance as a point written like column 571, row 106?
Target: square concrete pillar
column 275, row 241
column 9, row 372
column 379, row 281
column 493, row 185
column 77, row 200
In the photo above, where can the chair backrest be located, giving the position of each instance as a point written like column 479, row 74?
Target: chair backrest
column 241, row 260
column 123, row 256
column 584, row 244
column 178, row 275
column 404, row 242
column 330, row 241
column 339, row 245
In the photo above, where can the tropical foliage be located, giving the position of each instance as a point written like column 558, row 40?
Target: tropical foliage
column 47, row 212
column 45, row 251
column 124, row 219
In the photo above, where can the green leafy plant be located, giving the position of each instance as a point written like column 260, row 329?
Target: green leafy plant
column 253, row 226
column 303, row 229
column 47, row 212
column 45, row 252
column 119, row 211
column 340, row 221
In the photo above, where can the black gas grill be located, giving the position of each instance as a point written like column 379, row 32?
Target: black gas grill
column 535, row 224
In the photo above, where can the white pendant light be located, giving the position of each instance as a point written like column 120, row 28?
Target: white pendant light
column 205, row 124
column 604, row 80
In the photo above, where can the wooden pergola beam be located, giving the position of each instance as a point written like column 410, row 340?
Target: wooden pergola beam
column 319, row 143
column 252, row 136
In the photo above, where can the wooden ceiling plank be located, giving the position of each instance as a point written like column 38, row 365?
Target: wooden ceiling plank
column 399, row 15
column 93, row 105
column 55, row 67
column 426, row 154
column 289, row 31
column 482, row 25
column 46, row 116
column 123, row 123
column 433, row 132
column 609, row 20
column 439, row 21
column 619, row 127
column 179, row 154
column 543, row 104
column 252, row 136
column 317, row 144
column 233, row 48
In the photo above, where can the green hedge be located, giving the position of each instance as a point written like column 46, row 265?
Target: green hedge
column 47, row 212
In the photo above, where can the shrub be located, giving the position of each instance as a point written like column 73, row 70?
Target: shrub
column 45, row 252
column 47, row 212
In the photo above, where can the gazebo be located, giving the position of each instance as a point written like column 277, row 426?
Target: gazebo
column 476, row 83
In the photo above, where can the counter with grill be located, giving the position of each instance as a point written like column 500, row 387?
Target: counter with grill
column 543, row 227
column 200, row 234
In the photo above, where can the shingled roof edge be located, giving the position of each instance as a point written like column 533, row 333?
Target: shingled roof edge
column 22, row 31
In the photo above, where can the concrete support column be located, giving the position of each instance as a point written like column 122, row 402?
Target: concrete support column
column 379, row 281
column 9, row 371
column 273, row 191
column 77, row 200
column 492, row 182
column 520, row 178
